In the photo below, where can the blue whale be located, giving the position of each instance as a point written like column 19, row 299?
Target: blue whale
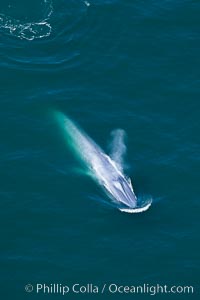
column 102, row 168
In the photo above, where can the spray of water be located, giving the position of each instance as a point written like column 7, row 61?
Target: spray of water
column 118, row 147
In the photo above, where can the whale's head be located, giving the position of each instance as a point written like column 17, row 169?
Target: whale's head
column 122, row 192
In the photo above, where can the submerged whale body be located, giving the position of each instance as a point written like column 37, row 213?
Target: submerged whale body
column 104, row 169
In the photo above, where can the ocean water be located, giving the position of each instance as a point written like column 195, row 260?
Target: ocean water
column 107, row 64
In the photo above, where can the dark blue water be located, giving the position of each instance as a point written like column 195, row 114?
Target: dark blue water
column 107, row 64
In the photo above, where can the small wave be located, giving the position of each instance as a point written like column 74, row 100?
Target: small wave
column 28, row 30
column 137, row 209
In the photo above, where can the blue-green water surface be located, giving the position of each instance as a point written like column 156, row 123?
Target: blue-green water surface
column 107, row 64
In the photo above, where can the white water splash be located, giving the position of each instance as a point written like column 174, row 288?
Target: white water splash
column 28, row 30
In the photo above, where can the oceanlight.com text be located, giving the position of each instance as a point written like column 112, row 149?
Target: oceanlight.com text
column 105, row 288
